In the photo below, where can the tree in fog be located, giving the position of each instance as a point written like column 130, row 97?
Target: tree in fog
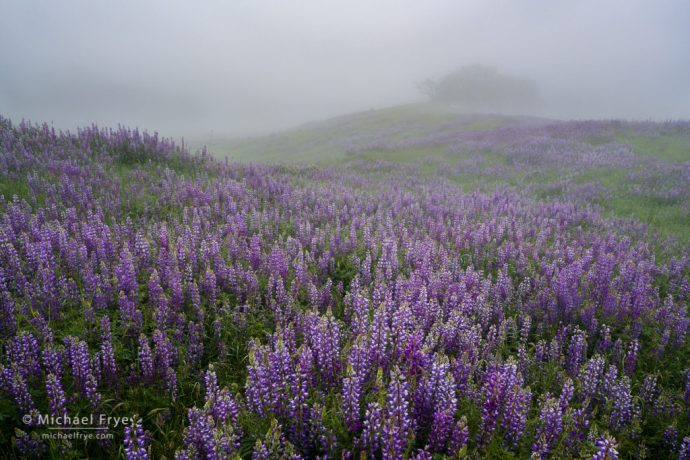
column 480, row 87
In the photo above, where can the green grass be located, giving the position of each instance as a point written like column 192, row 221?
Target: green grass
column 10, row 188
column 325, row 142
column 672, row 148
column 408, row 155
column 667, row 217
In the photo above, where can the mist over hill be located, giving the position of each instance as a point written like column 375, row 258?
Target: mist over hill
column 247, row 68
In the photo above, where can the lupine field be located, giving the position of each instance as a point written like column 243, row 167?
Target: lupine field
column 440, row 288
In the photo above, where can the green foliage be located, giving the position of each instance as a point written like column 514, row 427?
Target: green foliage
column 672, row 147
column 344, row 271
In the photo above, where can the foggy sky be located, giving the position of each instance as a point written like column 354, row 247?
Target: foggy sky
column 250, row 66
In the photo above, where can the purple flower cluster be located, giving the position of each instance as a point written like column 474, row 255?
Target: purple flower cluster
column 333, row 312
column 213, row 431
column 606, row 449
column 135, row 441
column 549, row 429
column 505, row 403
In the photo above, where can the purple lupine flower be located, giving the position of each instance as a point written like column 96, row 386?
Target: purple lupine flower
column 163, row 353
column 220, row 403
column 130, row 316
column 135, row 441
column 604, row 342
column 524, row 361
column 421, row 454
column 491, row 409
column 360, row 313
column 684, row 452
column 631, row 358
column 540, row 351
column 380, row 337
column 397, row 426
column 623, row 409
column 176, row 289
column 321, row 439
column 259, row 392
column 351, row 400
column 141, row 250
column 255, row 251
column 209, row 286
column 126, row 274
column 225, row 407
column 158, row 301
column 577, row 351
column 649, row 390
column 435, row 392
column 56, row 396
column 95, row 366
column 608, row 382
column 29, row 446
column 274, row 445
column 198, row 436
column 516, row 409
column 671, row 437
column 506, row 404
column 301, row 384
column 324, row 338
column 566, row 394
column 272, row 375
column 299, row 412
column 195, row 342
column 549, row 428
column 79, row 360
column 359, row 360
column 373, row 424
column 107, row 353
column 195, row 300
column 277, row 265
column 441, row 427
column 145, row 358
column 211, row 433
column 171, row 382
column 459, row 437
column 8, row 322
column 591, row 375
column 155, row 290
column 91, row 390
column 606, row 449
column 23, row 352
column 52, row 361
column 525, row 329
column 12, row 381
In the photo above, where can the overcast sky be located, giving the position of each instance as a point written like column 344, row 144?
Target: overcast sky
column 248, row 66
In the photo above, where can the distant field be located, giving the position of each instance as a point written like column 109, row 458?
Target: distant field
column 331, row 140
column 630, row 169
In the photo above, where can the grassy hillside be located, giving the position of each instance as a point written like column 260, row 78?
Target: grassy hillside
column 332, row 140
column 629, row 169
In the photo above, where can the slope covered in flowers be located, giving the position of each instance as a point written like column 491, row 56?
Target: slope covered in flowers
column 370, row 309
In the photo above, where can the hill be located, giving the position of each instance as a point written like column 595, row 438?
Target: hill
column 629, row 169
column 331, row 140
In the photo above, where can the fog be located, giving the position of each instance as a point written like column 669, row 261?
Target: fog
column 201, row 69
